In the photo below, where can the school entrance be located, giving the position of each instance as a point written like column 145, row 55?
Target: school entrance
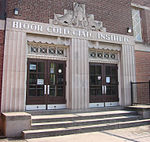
column 46, row 81
column 103, row 83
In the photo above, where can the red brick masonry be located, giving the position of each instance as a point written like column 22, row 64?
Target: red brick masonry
column 142, row 60
column 115, row 14
column 145, row 14
column 1, row 61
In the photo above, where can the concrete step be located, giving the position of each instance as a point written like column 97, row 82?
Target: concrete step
column 80, row 116
column 61, row 124
column 82, row 129
column 68, row 111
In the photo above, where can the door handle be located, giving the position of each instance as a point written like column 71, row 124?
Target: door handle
column 48, row 89
column 105, row 89
column 45, row 89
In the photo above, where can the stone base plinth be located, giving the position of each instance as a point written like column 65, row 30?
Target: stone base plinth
column 143, row 110
column 13, row 123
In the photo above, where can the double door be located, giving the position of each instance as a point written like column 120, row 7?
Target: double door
column 103, row 83
column 46, row 82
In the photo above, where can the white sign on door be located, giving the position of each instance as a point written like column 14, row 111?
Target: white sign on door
column 40, row 81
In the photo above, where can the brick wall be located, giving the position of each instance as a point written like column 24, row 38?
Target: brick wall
column 142, row 66
column 2, row 9
column 1, row 61
column 142, row 75
column 115, row 14
column 1, row 68
column 145, row 14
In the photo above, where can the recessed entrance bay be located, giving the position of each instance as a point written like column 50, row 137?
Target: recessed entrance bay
column 45, row 82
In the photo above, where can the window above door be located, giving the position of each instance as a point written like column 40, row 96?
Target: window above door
column 38, row 48
column 97, row 54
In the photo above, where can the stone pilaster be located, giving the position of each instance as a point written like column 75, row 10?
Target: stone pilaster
column 79, row 74
column 14, row 72
column 127, row 73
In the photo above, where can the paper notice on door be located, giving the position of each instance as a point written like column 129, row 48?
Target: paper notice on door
column 52, row 70
column 107, row 79
column 40, row 81
column 32, row 67
column 99, row 77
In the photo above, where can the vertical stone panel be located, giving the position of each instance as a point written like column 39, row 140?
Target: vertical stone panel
column 79, row 74
column 127, row 73
column 13, row 86
column 67, row 80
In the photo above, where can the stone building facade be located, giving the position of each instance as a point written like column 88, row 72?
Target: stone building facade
column 71, row 54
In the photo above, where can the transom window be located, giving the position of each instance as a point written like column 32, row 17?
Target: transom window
column 101, row 54
column 137, row 30
column 46, row 49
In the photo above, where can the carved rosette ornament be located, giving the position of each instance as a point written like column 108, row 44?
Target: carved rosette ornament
column 78, row 18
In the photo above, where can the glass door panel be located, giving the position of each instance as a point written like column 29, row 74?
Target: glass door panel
column 35, row 83
column 56, row 82
column 103, row 83
column 95, row 82
column 111, row 80
column 45, row 82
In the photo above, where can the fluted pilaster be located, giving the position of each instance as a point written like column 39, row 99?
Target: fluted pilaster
column 79, row 74
column 13, row 85
column 127, row 73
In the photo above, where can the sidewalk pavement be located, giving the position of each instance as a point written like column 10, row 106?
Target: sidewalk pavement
column 134, row 134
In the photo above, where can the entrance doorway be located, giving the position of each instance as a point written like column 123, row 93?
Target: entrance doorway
column 103, row 83
column 46, row 82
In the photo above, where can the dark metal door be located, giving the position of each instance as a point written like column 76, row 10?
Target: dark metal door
column 46, row 82
column 36, row 80
column 103, row 83
column 56, row 82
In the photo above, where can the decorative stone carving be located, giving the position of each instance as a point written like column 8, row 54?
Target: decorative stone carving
column 65, row 19
column 78, row 18
column 95, row 25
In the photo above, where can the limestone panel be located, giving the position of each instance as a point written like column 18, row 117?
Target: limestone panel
column 13, row 85
column 127, row 73
column 79, row 74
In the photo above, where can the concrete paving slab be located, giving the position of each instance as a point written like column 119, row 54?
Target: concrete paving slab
column 88, row 137
column 134, row 134
column 12, row 140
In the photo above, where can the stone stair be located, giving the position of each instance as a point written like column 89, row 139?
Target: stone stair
column 66, row 123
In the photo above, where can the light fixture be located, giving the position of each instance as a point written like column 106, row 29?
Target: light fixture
column 16, row 11
column 129, row 30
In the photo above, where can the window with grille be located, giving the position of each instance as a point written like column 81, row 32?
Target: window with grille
column 137, row 30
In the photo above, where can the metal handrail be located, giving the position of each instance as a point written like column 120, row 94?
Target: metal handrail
column 132, row 91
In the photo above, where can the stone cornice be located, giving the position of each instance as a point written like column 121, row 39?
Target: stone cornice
column 142, row 47
column 140, row 6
